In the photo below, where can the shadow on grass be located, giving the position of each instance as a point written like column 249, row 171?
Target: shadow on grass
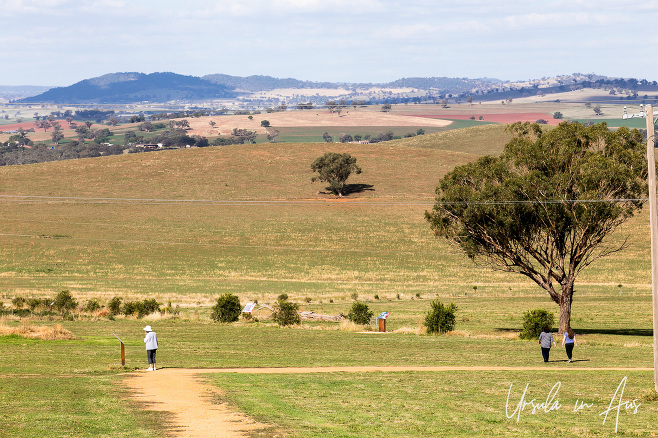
column 595, row 331
column 352, row 188
column 358, row 188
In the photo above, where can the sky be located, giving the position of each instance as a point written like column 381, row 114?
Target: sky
column 61, row 42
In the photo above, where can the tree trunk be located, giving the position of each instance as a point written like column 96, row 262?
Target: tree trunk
column 565, row 311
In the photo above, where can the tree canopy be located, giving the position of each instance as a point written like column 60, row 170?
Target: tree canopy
column 544, row 208
column 335, row 168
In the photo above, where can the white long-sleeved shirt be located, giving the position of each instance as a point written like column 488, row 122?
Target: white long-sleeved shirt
column 151, row 341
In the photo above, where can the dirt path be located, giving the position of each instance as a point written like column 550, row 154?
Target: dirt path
column 179, row 392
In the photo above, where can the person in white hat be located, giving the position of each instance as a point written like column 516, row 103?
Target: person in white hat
column 151, row 341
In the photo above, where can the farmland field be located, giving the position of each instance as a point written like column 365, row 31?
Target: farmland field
column 185, row 226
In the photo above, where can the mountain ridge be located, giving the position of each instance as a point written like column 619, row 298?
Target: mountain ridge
column 162, row 87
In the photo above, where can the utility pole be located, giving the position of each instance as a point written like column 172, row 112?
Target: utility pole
column 653, row 223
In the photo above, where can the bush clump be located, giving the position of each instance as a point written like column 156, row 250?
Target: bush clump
column 534, row 322
column 114, row 306
column 440, row 318
column 286, row 313
column 92, row 306
column 360, row 313
column 141, row 308
column 227, row 308
column 65, row 302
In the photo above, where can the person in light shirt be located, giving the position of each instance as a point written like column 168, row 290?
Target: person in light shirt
column 545, row 341
column 151, row 341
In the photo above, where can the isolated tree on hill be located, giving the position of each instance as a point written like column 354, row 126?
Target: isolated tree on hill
column 545, row 207
column 335, row 168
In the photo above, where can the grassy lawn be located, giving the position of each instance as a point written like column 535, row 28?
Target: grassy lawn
column 78, row 381
column 446, row 404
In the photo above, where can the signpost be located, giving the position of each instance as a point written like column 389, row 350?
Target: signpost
column 249, row 308
column 382, row 321
column 123, row 351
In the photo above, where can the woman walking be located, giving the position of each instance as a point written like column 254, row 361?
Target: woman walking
column 568, row 342
column 545, row 341
column 151, row 341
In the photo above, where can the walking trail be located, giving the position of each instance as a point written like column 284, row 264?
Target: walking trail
column 194, row 413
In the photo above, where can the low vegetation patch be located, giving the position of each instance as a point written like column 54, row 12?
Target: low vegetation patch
column 534, row 322
column 227, row 309
column 440, row 318
column 48, row 333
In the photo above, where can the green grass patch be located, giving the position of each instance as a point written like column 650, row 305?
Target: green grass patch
column 449, row 404
column 73, row 405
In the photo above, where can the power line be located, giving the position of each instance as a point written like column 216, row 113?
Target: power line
column 341, row 202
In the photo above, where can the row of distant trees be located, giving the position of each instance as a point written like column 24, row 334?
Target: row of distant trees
column 382, row 136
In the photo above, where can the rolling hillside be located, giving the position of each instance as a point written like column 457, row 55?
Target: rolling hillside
column 247, row 219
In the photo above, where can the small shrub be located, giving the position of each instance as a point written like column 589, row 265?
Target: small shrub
column 376, row 297
column 417, row 294
column 440, row 318
column 227, row 308
column 171, row 310
column 141, row 308
column 542, row 121
column 114, row 306
column 534, row 322
column 64, row 301
column 359, row 313
column 92, row 306
column 286, row 313
column 397, row 296
column 307, row 299
column 33, row 303
column 150, row 306
column 18, row 302
column 282, row 297
column 557, row 115
column 355, row 296
column 131, row 307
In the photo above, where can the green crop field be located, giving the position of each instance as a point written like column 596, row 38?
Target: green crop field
column 184, row 226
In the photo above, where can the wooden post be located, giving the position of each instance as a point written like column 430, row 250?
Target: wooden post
column 123, row 351
column 653, row 223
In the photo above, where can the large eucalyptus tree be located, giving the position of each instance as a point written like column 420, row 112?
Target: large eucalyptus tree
column 546, row 206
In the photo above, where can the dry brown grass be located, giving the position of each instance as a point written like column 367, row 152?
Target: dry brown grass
column 48, row 333
column 321, row 117
column 349, row 326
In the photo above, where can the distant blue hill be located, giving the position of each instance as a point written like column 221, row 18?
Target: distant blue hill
column 134, row 87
